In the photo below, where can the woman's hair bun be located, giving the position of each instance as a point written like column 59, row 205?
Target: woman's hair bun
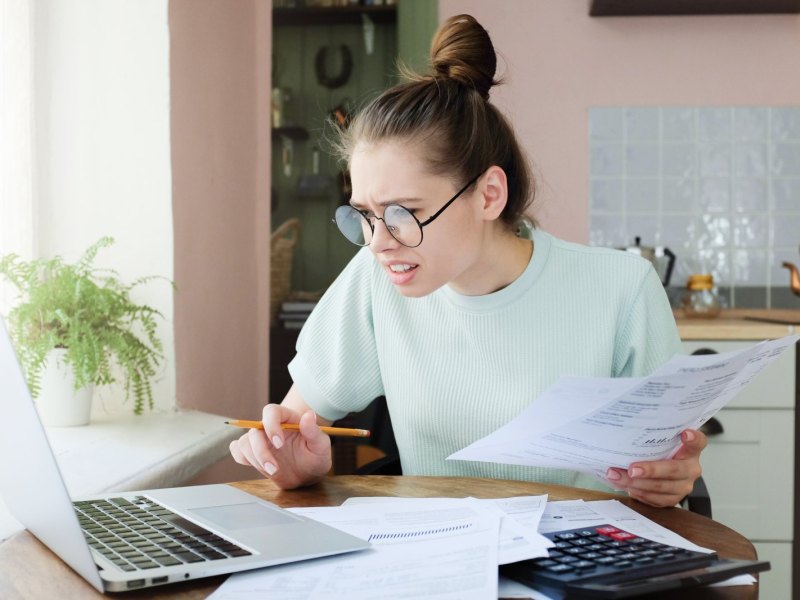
column 463, row 51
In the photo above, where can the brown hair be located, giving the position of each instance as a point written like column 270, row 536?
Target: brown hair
column 449, row 114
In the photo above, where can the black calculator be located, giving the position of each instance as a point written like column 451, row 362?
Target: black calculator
column 604, row 561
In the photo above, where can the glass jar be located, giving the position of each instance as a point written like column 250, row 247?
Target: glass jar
column 700, row 300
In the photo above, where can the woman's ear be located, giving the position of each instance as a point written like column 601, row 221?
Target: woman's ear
column 494, row 190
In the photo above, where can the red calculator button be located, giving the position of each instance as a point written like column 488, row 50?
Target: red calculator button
column 621, row 536
column 606, row 530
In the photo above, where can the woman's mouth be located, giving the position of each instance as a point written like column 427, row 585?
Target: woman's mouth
column 401, row 273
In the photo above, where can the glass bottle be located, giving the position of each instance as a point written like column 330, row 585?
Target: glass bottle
column 700, row 300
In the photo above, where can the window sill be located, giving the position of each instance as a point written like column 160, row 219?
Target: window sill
column 134, row 453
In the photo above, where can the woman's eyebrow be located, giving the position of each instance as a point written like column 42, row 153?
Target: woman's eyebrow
column 401, row 201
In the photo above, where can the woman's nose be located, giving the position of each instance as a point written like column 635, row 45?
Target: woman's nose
column 381, row 238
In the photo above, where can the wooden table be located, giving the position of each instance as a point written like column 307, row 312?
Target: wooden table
column 28, row 570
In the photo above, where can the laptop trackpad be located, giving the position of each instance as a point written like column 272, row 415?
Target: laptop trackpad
column 241, row 516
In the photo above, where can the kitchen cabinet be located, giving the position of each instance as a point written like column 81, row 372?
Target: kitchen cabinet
column 749, row 468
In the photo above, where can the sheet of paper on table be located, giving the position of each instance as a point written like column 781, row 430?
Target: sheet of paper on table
column 519, row 520
column 589, row 424
column 444, row 552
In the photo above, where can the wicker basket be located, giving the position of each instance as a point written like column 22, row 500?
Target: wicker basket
column 284, row 239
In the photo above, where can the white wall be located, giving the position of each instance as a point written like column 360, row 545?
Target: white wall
column 102, row 103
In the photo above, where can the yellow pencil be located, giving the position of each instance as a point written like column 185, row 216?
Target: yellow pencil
column 340, row 431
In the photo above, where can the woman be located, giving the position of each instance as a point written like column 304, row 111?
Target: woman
column 458, row 321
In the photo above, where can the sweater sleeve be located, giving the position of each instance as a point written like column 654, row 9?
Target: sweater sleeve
column 648, row 335
column 336, row 367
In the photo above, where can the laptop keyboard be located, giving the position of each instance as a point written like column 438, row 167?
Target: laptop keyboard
column 141, row 534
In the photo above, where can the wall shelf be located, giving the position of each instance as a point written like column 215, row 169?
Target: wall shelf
column 623, row 8
column 333, row 15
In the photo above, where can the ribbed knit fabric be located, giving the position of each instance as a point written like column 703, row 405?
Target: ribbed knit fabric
column 454, row 368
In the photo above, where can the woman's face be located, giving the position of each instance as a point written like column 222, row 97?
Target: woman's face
column 392, row 172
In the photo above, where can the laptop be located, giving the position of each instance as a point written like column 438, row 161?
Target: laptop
column 133, row 540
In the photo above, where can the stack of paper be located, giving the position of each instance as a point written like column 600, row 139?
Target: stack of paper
column 442, row 548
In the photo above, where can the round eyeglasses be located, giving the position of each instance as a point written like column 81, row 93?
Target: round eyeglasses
column 400, row 222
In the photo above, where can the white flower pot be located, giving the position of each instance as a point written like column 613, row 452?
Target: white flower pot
column 59, row 405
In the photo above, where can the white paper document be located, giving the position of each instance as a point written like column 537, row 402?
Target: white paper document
column 590, row 424
column 442, row 552
column 519, row 520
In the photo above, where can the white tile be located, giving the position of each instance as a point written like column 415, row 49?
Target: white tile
column 750, row 267
column 785, row 159
column 606, row 160
column 713, row 231
column 607, row 230
column 786, row 194
column 641, row 124
column 642, row 159
column 786, row 123
column 605, row 124
column 678, row 123
column 714, row 123
column 675, row 232
column 677, row 195
column 715, row 195
column 750, row 231
column 749, row 195
column 714, row 159
column 678, row 160
column 750, row 159
column 642, row 195
column 750, row 123
column 786, row 230
column 606, row 195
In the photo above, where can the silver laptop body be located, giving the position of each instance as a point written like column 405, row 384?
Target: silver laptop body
column 35, row 494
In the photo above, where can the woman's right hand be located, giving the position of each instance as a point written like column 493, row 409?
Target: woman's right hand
column 290, row 458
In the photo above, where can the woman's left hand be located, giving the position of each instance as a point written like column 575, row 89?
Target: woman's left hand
column 663, row 482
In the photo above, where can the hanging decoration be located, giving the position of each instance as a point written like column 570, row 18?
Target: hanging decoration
column 328, row 80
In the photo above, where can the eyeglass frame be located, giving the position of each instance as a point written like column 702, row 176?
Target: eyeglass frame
column 422, row 224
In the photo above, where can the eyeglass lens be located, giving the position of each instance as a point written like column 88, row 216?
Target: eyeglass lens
column 358, row 228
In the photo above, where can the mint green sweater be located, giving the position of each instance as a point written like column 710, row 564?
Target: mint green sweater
column 454, row 368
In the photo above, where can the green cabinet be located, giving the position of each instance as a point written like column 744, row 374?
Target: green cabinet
column 320, row 63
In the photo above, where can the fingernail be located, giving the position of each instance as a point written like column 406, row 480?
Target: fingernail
column 270, row 468
column 613, row 475
column 277, row 441
column 688, row 436
column 637, row 472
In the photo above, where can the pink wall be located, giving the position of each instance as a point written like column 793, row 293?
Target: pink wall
column 560, row 62
column 220, row 80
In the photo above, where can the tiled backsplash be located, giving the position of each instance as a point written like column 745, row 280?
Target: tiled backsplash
column 719, row 186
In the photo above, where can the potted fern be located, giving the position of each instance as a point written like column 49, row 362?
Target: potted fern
column 82, row 319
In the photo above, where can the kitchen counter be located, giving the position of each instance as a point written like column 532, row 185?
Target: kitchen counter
column 740, row 324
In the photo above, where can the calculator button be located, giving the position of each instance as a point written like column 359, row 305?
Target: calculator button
column 606, row 530
column 560, row 569
column 584, row 565
column 621, row 536
column 566, row 536
column 568, row 559
column 581, row 542
column 592, row 555
column 623, row 564
column 546, row 562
